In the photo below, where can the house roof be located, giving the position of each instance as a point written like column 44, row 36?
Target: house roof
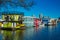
column 12, row 13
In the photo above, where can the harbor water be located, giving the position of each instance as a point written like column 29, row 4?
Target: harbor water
column 40, row 33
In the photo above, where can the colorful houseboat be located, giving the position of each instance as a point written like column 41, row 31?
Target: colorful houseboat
column 12, row 20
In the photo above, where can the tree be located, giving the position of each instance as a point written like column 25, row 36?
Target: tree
column 1, row 1
column 21, row 3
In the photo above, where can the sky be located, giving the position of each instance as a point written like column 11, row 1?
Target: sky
column 46, row 7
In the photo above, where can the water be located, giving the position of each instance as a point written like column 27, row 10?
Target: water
column 44, row 33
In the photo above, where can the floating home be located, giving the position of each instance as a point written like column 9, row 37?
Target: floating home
column 29, row 21
column 58, row 20
column 45, row 20
column 12, row 20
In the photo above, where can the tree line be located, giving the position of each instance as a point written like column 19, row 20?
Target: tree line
column 21, row 3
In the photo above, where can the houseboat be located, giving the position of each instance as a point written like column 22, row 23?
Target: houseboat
column 58, row 20
column 12, row 20
column 52, row 21
column 29, row 21
column 45, row 20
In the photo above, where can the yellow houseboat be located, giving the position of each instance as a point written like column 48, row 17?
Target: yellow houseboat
column 12, row 20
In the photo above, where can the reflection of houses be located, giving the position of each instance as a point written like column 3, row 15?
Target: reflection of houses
column 12, row 19
column 29, row 21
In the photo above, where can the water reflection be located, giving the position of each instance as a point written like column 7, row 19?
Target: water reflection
column 16, row 35
column 45, row 33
